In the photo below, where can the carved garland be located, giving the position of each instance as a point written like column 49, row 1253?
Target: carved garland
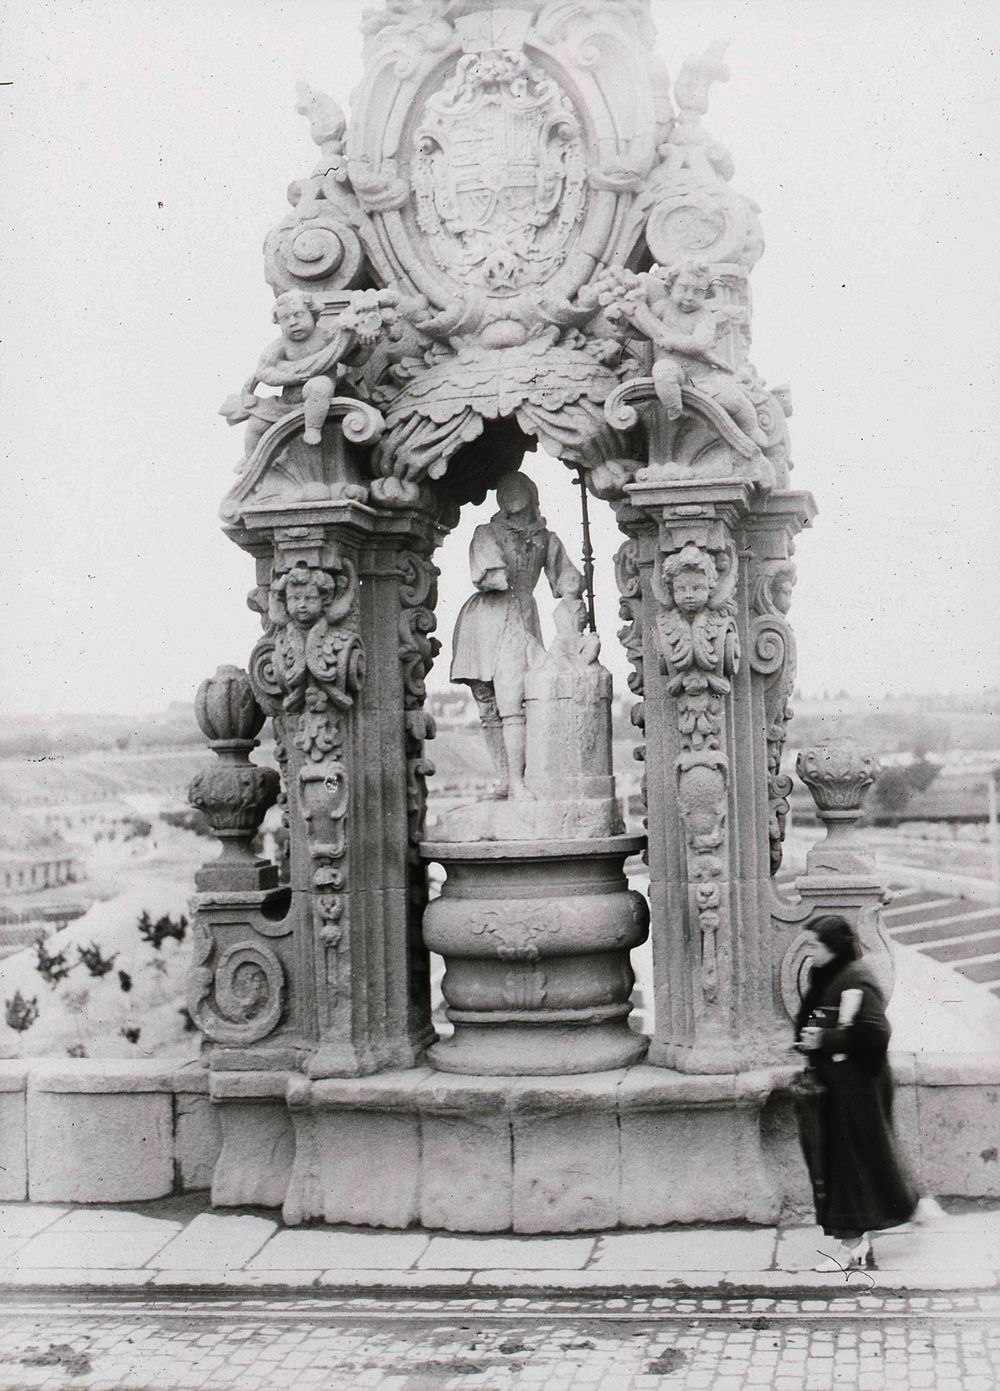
column 699, row 648
column 307, row 670
column 417, row 649
column 630, row 636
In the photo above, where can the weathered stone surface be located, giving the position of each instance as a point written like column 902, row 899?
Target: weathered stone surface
column 13, row 1144
column 960, row 1139
column 665, row 1159
column 672, row 1128
column 197, row 1140
column 257, row 1151
column 356, row 1166
column 466, row 1166
column 536, row 939
column 779, row 1134
column 567, row 1160
column 93, row 1144
column 336, row 1251
column 446, row 1253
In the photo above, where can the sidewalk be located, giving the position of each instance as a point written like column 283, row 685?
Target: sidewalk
column 178, row 1244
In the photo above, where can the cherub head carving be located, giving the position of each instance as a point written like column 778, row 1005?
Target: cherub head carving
column 304, row 594
column 295, row 313
column 691, row 577
column 773, row 589
column 688, row 284
column 782, row 584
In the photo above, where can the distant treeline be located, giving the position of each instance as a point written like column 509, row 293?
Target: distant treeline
column 59, row 738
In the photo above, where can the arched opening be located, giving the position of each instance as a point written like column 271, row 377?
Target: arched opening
column 462, row 763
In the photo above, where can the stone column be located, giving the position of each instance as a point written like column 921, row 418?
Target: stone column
column 706, row 666
column 347, row 593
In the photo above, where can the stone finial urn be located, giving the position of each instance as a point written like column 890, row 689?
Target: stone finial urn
column 838, row 775
column 234, row 794
column 227, row 710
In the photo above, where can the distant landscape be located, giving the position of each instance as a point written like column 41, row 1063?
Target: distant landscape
column 98, row 846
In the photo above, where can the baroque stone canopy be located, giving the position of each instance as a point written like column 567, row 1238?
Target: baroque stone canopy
column 496, row 236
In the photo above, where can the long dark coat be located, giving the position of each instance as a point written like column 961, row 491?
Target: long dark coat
column 867, row 1186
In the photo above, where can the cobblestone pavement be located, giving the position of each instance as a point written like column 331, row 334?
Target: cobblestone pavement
column 943, row 1342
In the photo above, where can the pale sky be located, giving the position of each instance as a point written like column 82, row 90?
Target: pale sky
column 147, row 150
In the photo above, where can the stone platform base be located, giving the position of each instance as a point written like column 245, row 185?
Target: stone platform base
column 636, row 1147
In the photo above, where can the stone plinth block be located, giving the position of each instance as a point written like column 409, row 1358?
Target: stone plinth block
column 13, row 1132
column 567, row 1160
column 357, row 1150
column 466, row 1158
column 782, row 1148
column 99, row 1132
column 674, row 1128
column 958, row 1104
column 536, row 937
column 197, row 1130
column 258, row 1145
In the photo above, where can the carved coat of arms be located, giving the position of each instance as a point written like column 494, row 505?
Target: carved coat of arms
column 499, row 173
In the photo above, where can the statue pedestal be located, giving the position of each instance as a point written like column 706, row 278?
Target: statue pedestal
column 536, row 937
column 636, row 1147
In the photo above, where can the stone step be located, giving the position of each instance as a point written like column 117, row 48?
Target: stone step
column 926, row 912
column 947, row 928
column 983, row 972
column 968, row 950
column 910, row 898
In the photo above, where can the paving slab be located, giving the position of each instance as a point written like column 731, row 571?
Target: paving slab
column 323, row 1250
column 25, row 1219
column 498, row 1253
column 233, row 1279
column 84, row 1219
column 92, row 1250
column 9, row 1247
column 697, row 1249
column 398, row 1280
column 77, row 1277
column 211, row 1242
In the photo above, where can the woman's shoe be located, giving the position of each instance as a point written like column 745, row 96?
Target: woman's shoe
column 860, row 1256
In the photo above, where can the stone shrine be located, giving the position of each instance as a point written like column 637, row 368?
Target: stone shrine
column 524, row 237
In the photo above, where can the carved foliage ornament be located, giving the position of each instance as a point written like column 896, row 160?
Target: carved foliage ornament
column 308, row 670
column 699, row 649
column 417, row 649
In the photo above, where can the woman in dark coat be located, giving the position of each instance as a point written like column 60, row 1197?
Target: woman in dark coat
column 865, row 1183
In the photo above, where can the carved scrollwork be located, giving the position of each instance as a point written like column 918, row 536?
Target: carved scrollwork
column 772, row 655
column 630, row 634
column 417, row 650
column 240, row 999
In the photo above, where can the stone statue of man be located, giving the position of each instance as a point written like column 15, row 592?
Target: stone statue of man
column 497, row 637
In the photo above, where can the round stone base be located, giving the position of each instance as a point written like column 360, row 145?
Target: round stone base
column 543, row 1050
column 536, row 937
